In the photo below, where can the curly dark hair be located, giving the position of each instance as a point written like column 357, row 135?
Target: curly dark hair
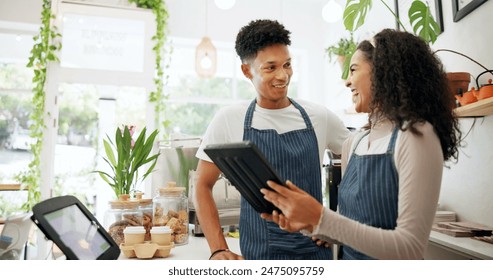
column 259, row 34
column 409, row 86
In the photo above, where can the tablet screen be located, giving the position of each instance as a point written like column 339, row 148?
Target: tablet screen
column 78, row 233
column 75, row 230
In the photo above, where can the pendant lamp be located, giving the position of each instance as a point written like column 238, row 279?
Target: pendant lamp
column 205, row 55
column 205, row 58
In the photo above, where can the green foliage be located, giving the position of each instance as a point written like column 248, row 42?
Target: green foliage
column 14, row 112
column 42, row 53
column 125, row 158
column 420, row 18
column 192, row 118
column 4, row 133
column 7, row 208
column 345, row 47
column 77, row 114
column 422, row 21
column 15, row 76
column 158, row 97
column 355, row 13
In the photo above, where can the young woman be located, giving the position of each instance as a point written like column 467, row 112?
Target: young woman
column 392, row 170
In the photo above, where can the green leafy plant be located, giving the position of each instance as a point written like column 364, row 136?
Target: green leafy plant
column 344, row 48
column 125, row 157
column 420, row 18
column 43, row 52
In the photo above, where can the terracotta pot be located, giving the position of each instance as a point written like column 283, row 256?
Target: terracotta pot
column 458, row 83
column 458, row 80
column 340, row 60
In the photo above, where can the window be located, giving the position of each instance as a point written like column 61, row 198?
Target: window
column 15, row 100
column 193, row 100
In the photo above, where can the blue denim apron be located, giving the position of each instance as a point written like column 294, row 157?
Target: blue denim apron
column 369, row 191
column 294, row 155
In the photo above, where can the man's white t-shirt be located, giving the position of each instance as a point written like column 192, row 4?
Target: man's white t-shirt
column 228, row 124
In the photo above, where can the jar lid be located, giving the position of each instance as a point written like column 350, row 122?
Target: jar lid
column 161, row 229
column 171, row 189
column 125, row 204
column 134, row 229
column 145, row 201
column 138, row 195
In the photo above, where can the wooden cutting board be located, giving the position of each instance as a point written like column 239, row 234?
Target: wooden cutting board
column 463, row 229
column 453, row 232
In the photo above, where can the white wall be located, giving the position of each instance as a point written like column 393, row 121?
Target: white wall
column 467, row 187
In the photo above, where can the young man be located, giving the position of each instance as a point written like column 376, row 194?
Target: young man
column 292, row 135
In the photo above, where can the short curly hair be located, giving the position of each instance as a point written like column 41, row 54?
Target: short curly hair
column 409, row 86
column 259, row 34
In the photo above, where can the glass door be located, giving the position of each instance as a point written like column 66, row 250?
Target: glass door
column 102, row 82
column 88, row 114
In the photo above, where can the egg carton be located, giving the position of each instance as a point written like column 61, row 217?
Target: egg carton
column 146, row 250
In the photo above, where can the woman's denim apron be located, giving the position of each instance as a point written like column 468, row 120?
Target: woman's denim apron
column 369, row 191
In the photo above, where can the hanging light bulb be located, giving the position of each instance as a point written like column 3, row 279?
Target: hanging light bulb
column 205, row 54
column 205, row 58
column 225, row 4
column 332, row 11
column 206, row 62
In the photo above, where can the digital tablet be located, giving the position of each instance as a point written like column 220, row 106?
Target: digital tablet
column 68, row 223
column 247, row 169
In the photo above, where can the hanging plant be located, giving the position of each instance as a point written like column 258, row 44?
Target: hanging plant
column 344, row 50
column 158, row 97
column 44, row 51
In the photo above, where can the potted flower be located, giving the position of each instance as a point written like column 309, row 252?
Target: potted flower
column 125, row 157
column 343, row 50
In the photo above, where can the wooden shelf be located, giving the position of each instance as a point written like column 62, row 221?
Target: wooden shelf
column 479, row 108
column 11, row 187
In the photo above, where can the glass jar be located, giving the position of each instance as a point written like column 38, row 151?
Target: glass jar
column 170, row 208
column 122, row 213
column 145, row 205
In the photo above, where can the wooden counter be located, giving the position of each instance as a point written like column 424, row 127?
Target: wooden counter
column 464, row 246
column 10, row 187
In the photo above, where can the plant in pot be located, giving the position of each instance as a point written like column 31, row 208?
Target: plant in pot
column 459, row 81
column 126, row 157
column 343, row 50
